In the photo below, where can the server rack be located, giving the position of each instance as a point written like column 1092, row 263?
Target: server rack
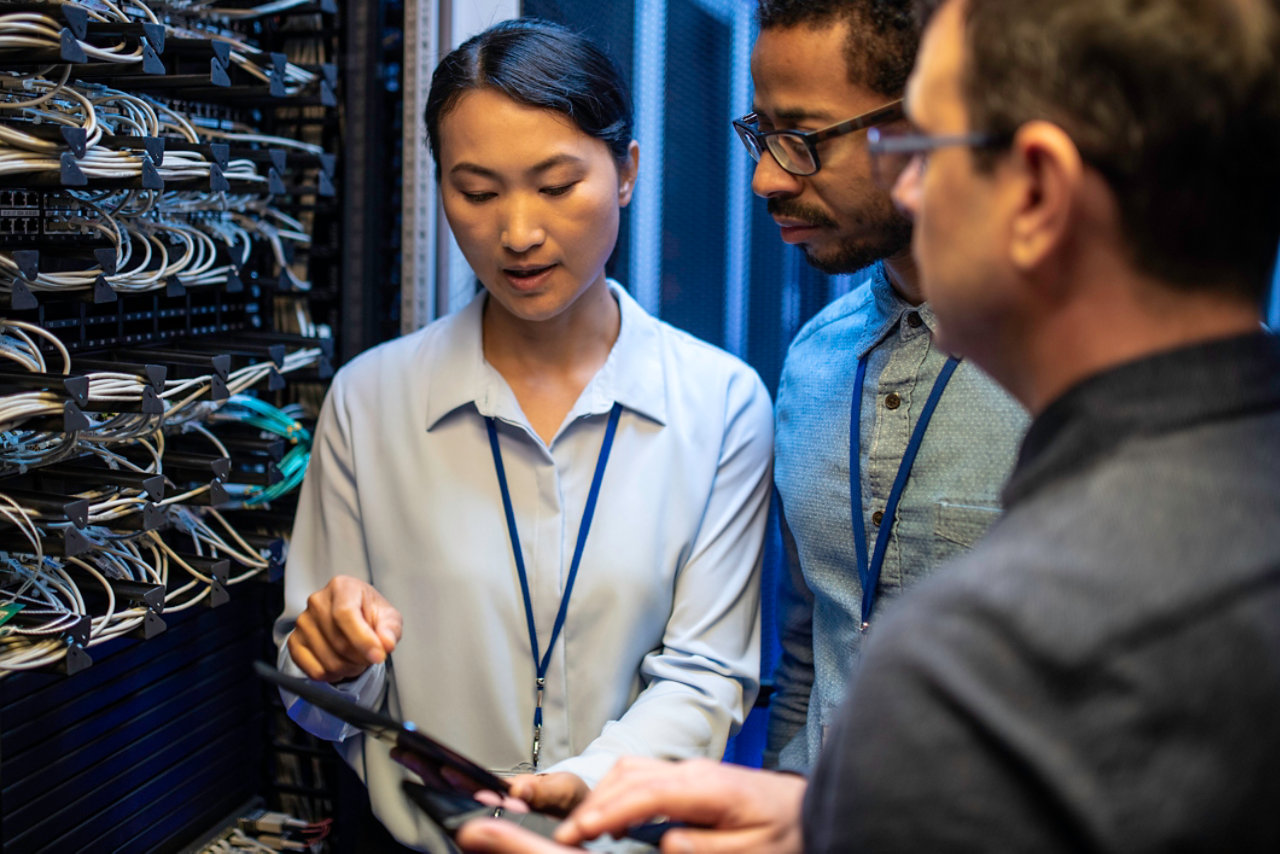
column 177, row 282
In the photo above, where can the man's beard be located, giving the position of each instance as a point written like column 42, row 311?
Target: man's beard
column 881, row 232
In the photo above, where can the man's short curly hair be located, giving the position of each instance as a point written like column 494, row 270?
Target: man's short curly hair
column 882, row 41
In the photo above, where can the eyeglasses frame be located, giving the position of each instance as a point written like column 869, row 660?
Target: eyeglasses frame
column 810, row 138
column 916, row 144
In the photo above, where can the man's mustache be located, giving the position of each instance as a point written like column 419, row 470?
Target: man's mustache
column 791, row 209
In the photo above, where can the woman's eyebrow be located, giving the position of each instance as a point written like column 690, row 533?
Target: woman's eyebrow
column 538, row 168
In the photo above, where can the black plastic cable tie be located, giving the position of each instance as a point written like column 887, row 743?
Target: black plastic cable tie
column 28, row 261
column 154, row 488
column 75, row 138
column 151, row 179
column 279, row 159
column 156, row 375
column 275, row 185
column 78, row 632
column 78, row 388
column 154, row 146
column 106, row 259
column 234, row 283
column 153, row 516
column 277, row 353
column 77, row 19
column 328, row 162
column 70, row 173
column 73, row 419
column 328, row 97
column 217, row 181
column 218, row 72
column 75, row 660
column 275, row 381
column 221, row 152
column 69, row 47
column 221, row 363
column 154, row 34
column 325, row 184
column 151, row 626
column 151, row 402
column 275, row 85
column 77, row 511
column 74, row 542
column 151, row 63
column 217, row 593
column 218, row 389
column 103, row 293
column 173, row 287
column 21, row 298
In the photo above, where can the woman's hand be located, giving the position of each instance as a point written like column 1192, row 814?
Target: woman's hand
column 556, row 793
column 347, row 626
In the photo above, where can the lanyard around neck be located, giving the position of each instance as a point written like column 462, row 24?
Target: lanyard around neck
column 869, row 570
column 541, row 663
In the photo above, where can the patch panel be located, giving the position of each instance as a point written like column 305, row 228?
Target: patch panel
column 32, row 218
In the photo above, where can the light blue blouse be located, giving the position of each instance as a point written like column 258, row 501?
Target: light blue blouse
column 659, row 655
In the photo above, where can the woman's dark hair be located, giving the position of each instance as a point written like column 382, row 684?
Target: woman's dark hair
column 539, row 64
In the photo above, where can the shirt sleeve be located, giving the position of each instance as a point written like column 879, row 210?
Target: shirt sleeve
column 704, row 678
column 327, row 540
column 787, row 745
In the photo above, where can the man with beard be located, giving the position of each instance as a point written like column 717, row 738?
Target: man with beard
column 935, row 438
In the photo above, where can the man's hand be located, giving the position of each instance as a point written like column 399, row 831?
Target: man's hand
column 556, row 793
column 729, row 809
column 347, row 626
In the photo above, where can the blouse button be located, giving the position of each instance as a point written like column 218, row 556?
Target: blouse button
column 892, row 401
column 877, row 517
column 914, row 320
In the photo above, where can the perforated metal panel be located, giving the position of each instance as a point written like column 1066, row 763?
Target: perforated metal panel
column 143, row 750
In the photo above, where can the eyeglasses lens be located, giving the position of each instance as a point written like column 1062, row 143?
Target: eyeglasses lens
column 749, row 140
column 886, row 169
column 792, row 154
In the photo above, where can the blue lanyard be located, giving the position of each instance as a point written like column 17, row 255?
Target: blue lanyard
column 541, row 664
column 869, row 571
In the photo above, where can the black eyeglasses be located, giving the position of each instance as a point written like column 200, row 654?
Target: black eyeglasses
column 894, row 151
column 797, row 150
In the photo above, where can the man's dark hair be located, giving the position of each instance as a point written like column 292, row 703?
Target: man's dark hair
column 1175, row 102
column 882, row 41
column 539, row 64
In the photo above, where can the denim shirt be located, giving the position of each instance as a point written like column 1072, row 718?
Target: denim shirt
column 950, row 499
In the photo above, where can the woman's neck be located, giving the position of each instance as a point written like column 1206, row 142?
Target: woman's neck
column 548, row 363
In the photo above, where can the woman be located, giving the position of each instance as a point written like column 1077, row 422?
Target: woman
column 549, row 505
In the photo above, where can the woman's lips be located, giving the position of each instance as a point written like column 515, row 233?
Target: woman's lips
column 527, row 278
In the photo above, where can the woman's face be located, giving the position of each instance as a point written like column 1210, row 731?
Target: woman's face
column 532, row 200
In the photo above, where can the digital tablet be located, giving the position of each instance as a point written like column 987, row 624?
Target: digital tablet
column 404, row 735
column 450, row 808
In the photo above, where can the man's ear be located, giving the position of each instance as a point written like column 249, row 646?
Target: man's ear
column 627, row 174
column 1052, row 172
